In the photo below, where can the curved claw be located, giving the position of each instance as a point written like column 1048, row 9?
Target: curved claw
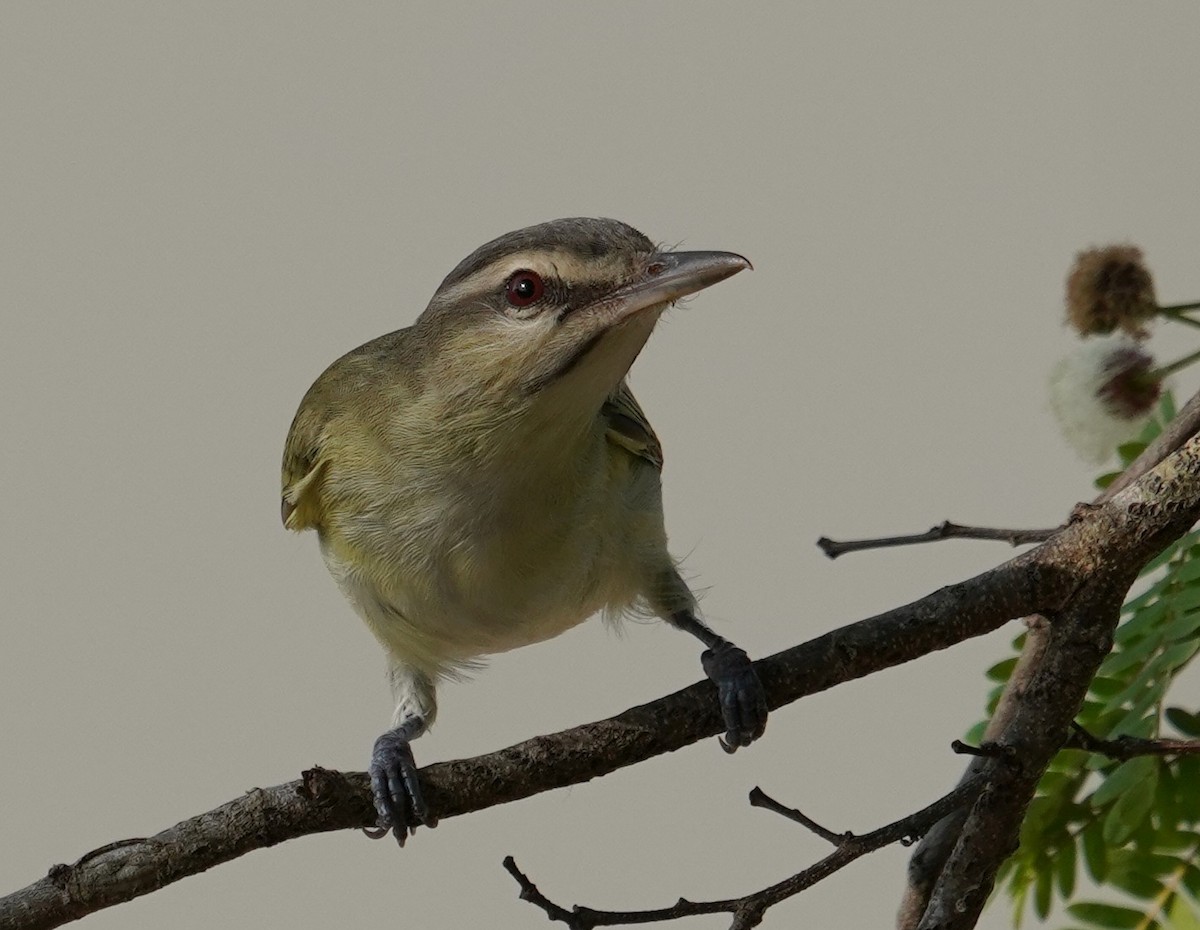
column 394, row 783
column 740, row 694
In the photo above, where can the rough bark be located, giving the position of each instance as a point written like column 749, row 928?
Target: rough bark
column 1076, row 579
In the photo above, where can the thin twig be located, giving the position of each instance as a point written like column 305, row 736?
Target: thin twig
column 1179, row 308
column 327, row 800
column 1174, row 313
column 1165, row 371
column 985, row 750
column 1182, row 427
column 944, row 530
column 748, row 910
column 1106, row 544
column 759, row 798
column 1128, row 747
column 530, row 893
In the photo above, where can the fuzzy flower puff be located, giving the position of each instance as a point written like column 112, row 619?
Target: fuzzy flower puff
column 1101, row 396
column 1110, row 288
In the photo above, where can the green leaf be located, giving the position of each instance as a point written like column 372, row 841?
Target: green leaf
column 1166, row 407
column 1186, row 723
column 1143, row 600
column 1104, row 687
column 1002, row 670
column 1186, row 608
column 1170, row 837
column 1153, row 427
column 1188, row 571
column 1124, row 777
column 1130, row 810
column 1102, row 725
column 1043, row 889
column 1019, row 890
column 1128, row 451
column 974, row 735
column 1095, row 851
column 1191, row 881
column 1187, row 773
column 1134, row 884
column 1133, row 722
column 1106, row 915
column 1182, row 914
column 1175, row 656
column 1166, row 805
column 1064, row 870
column 1132, row 654
column 1005, row 871
column 1146, row 728
column 1156, row 864
column 1163, row 557
column 994, row 699
column 1041, row 811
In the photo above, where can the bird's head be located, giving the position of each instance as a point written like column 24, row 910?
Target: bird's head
column 555, row 314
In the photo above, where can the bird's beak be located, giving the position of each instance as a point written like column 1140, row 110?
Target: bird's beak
column 604, row 337
column 672, row 275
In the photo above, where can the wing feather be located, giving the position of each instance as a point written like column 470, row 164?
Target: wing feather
column 629, row 428
column 303, row 470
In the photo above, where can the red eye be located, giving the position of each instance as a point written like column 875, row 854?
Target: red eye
column 524, row 288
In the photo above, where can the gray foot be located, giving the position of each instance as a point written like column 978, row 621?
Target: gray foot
column 742, row 698
column 394, row 782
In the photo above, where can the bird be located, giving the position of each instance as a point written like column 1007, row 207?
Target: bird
column 484, row 479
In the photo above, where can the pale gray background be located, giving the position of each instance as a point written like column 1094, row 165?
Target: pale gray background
column 204, row 204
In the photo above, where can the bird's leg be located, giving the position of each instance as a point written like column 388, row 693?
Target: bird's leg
column 394, row 779
column 394, row 782
column 740, row 694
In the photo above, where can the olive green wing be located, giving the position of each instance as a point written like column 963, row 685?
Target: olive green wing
column 303, row 471
column 629, row 428
column 337, row 417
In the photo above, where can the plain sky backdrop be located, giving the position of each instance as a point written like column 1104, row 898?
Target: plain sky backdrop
column 203, row 204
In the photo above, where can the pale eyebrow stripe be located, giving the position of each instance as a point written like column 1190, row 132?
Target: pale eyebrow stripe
column 490, row 277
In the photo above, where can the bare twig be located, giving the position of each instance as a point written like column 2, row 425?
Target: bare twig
column 1097, row 552
column 1182, row 428
column 326, row 800
column 759, row 798
column 748, row 910
column 944, row 530
column 1127, row 747
column 985, row 750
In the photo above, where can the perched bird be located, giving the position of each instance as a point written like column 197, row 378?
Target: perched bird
column 484, row 479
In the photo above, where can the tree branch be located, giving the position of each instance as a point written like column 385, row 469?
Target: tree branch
column 324, row 800
column 944, row 530
column 1109, row 542
column 748, row 910
column 1077, row 638
column 932, row 854
column 759, row 798
column 1185, row 425
column 1128, row 747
